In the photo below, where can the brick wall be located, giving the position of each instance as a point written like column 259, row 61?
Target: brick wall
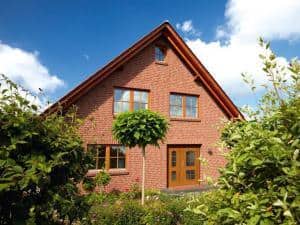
column 96, row 108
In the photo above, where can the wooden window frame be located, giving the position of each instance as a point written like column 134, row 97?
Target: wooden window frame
column 107, row 158
column 184, row 106
column 131, row 98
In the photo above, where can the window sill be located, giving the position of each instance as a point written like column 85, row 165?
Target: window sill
column 186, row 119
column 111, row 172
column 161, row 63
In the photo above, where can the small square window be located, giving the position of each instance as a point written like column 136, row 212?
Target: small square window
column 160, row 54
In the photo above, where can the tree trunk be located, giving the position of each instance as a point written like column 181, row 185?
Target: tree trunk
column 143, row 175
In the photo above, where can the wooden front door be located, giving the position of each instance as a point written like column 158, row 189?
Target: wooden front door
column 183, row 166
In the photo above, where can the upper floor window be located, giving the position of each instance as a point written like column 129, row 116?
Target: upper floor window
column 160, row 54
column 184, row 106
column 108, row 156
column 130, row 100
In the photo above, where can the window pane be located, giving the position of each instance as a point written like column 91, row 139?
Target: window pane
column 144, row 97
column 122, row 95
column 140, row 100
column 113, row 151
column 141, row 96
column 159, row 54
column 92, row 149
column 173, row 158
column 121, row 107
column 97, row 150
column 121, row 151
column 191, row 112
column 113, row 163
column 117, row 157
column 173, row 176
column 175, row 111
column 190, row 158
column 191, row 101
column 118, row 107
column 101, row 151
column 190, row 174
column 138, row 106
column 101, row 163
column 176, row 100
column 121, row 163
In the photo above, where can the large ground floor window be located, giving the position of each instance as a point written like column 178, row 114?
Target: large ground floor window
column 108, row 156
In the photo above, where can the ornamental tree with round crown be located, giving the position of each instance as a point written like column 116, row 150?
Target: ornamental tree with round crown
column 140, row 128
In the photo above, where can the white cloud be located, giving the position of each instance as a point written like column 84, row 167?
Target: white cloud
column 86, row 56
column 26, row 69
column 236, row 50
column 188, row 28
column 272, row 19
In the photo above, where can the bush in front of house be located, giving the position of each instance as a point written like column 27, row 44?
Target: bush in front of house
column 41, row 162
column 123, row 209
column 261, row 183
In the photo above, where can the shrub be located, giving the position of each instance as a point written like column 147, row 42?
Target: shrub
column 41, row 162
column 102, row 179
column 160, row 209
column 133, row 193
column 131, row 213
column 88, row 184
column 261, row 182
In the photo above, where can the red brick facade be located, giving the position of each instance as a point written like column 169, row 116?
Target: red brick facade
column 142, row 72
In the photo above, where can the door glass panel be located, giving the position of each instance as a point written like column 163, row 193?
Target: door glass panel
column 173, row 176
column 190, row 174
column 174, row 158
column 190, row 158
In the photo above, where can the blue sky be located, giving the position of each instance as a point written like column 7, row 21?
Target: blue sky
column 57, row 44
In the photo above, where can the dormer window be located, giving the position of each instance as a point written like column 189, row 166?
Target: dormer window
column 160, row 54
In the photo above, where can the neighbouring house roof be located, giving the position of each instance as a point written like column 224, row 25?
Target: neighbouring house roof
column 166, row 30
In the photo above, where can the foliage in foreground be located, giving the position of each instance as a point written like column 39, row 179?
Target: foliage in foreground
column 41, row 161
column 261, row 182
column 125, row 209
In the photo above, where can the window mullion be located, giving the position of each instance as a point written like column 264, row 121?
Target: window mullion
column 107, row 157
column 97, row 158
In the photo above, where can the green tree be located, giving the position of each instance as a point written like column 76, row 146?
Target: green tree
column 41, row 162
column 140, row 128
column 261, row 182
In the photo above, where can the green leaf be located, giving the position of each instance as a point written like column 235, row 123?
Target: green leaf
column 253, row 220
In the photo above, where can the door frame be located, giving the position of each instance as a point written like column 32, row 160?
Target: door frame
column 181, row 146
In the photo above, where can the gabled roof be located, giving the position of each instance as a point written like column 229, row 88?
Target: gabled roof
column 185, row 53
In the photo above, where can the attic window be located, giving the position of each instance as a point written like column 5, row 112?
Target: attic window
column 160, row 54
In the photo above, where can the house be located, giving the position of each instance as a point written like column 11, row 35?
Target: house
column 160, row 73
